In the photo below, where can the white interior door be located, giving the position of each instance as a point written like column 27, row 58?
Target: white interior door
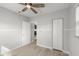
column 26, row 33
column 57, row 34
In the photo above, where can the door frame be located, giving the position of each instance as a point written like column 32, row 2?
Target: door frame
column 62, row 31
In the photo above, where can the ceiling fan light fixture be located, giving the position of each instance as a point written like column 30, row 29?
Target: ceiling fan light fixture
column 28, row 6
column 32, row 6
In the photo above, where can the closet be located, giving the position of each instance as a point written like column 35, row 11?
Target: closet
column 58, row 34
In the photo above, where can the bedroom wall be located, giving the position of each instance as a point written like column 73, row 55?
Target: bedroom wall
column 74, row 40
column 10, row 28
column 44, row 26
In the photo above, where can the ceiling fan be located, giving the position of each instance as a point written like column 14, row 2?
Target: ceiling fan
column 31, row 6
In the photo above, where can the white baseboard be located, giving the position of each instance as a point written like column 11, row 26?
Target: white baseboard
column 44, row 46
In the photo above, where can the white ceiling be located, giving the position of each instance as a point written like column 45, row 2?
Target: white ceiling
column 49, row 7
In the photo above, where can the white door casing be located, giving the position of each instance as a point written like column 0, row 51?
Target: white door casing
column 57, row 34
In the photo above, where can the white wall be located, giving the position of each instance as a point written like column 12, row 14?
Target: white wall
column 71, row 41
column 74, row 40
column 10, row 28
column 44, row 26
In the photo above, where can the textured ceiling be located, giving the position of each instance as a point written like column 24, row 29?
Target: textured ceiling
column 49, row 7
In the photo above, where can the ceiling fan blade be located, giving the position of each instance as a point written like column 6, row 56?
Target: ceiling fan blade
column 38, row 5
column 24, row 9
column 30, row 4
column 23, row 4
column 34, row 10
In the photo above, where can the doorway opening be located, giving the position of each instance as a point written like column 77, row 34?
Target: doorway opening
column 35, row 33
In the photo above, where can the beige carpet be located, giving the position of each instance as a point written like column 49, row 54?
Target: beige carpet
column 33, row 50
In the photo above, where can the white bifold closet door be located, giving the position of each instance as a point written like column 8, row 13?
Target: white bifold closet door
column 57, row 34
column 26, row 33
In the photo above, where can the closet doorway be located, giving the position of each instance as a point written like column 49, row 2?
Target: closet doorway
column 58, row 34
